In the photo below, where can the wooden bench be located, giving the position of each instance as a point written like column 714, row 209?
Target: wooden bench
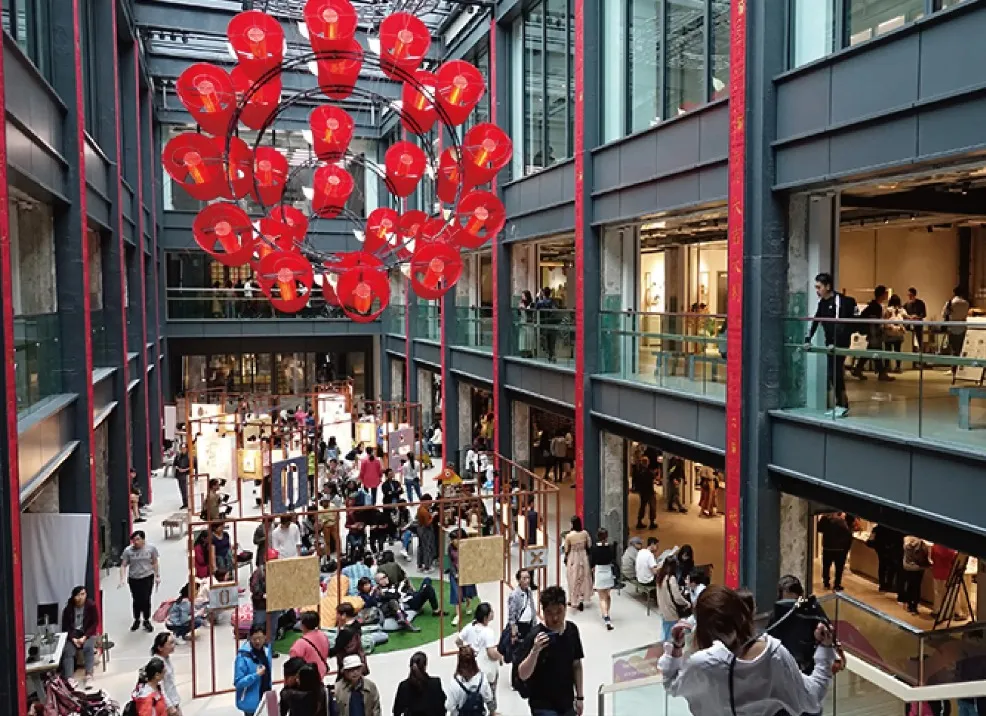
column 649, row 590
column 174, row 524
column 965, row 394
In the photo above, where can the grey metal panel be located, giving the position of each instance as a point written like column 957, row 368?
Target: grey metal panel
column 541, row 204
column 938, row 73
column 963, row 479
column 797, row 447
column 882, row 79
column 268, row 327
column 97, row 168
column 471, row 364
column 428, row 352
column 550, row 221
column 850, row 461
column 395, row 344
column 551, row 384
column 43, row 437
column 803, row 106
column 102, row 396
column 98, row 207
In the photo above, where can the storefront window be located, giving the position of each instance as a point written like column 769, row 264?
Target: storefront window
column 870, row 18
column 533, row 90
column 812, row 30
column 646, row 41
column 686, row 57
column 719, row 76
column 556, row 82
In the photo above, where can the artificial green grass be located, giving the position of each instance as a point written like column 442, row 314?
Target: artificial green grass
column 425, row 621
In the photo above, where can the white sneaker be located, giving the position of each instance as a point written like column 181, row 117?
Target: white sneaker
column 455, row 619
column 404, row 555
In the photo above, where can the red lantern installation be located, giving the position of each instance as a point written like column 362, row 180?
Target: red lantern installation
column 449, row 176
column 332, row 130
column 418, row 113
column 486, row 149
column 193, row 161
column 238, row 181
column 208, row 95
column 459, row 89
column 270, row 174
column 436, row 231
column 404, row 42
column 286, row 279
column 333, row 185
column 228, row 226
column 262, row 99
column 274, row 237
column 409, row 231
column 480, row 216
column 404, row 163
column 381, row 230
column 257, row 40
column 358, row 287
column 294, row 221
column 434, row 270
column 331, row 23
column 338, row 70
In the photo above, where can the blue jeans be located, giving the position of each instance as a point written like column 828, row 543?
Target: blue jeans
column 88, row 653
column 183, row 630
column 968, row 707
column 411, row 488
column 667, row 626
column 549, row 712
column 406, row 538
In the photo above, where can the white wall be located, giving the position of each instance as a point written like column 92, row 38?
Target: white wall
column 899, row 258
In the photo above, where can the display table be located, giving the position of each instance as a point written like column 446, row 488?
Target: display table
column 51, row 661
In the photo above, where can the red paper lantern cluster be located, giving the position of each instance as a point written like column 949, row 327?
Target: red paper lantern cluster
column 217, row 166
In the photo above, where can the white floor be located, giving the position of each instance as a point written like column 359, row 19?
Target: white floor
column 633, row 629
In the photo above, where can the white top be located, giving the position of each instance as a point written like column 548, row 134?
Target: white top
column 646, row 562
column 767, row 684
column 436, row 437
column 286, row 541
column 457, row 695
column 168, row 686
column 472, row 460
column 408, row 472
column 481, row 638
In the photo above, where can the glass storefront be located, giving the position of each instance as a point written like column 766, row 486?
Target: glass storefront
column 278, row 373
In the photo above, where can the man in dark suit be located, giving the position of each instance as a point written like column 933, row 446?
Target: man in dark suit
column 832, row 305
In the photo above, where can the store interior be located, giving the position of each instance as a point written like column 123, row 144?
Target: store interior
column 295, row 373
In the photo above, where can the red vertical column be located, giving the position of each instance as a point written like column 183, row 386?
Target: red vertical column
column 579, row 147
column 734, row 310
column 10, row 403
column 143, row 275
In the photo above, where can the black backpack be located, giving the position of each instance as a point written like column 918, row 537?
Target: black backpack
column 474, row 705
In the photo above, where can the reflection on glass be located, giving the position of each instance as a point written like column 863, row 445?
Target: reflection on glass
column 533, row 90
column 812, row 30
column 871, row 18
column 556, row 82
column 193, row 372
column 614, row 78
column 719, row 75
column 645, row 65
column 686, row 56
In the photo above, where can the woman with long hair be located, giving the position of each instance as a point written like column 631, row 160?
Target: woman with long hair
column 427, row 541
column 80, row 621
column 420, row 694
column 460, row 595
column 200, row 549
column 181, row 614
column 222, row 552
column 147, row 695
column 468, row 686
column 732, row 671
column 163, row 647
column 602, row 557
column 577, row 569
column 671, row 602
column 481, row 638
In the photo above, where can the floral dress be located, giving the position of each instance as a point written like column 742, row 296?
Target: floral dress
column 577, row 568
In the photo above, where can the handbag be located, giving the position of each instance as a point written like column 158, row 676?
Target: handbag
column 683, row 611
column 505, row 645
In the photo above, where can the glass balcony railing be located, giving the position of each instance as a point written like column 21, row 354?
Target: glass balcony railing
column 473, row 327
column 396, row 320
column 911, row 378
column 546, row 335
column 680, row 351
column 37, row 358
column 198, row 304
column 427, row 321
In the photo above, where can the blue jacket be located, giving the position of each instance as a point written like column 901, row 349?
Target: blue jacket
column 246, row 680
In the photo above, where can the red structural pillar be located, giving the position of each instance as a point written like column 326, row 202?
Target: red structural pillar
column 580, row 238
column 734, row 310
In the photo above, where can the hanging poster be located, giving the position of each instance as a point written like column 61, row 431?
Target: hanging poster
column 399, row 443
column 289, row 484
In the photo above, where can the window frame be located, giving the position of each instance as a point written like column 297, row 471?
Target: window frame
column 37, row 40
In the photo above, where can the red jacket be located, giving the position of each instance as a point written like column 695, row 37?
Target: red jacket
column 201, row 561
column 150, row 702
column 941, row 561
column 371, row 473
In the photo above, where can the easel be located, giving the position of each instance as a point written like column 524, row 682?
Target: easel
column 954, row 586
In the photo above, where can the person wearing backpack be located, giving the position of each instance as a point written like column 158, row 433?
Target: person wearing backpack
column 148, row 698
column 469, row 694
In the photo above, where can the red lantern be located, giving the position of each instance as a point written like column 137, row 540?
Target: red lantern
column 356, row 289
column 449, row 176
column 480, row 216
column 460, row 87
column 294, row 221
column 263, row 98
column 405, row 165
column 238, row 181
column 486, row 149
column 354, row 260
column 331, row 23
column 333, row 185
column 228, row 225
column 436, row 231
column 381, row 230
column 286, row 279
column 332, row 130
column 409, row 231
column 193, row 161
column 208, row 95
column 274, row 237
column 418, row 113
column 270, row 173
column 404, row 42
column 329, row 292
column 338, row 70
column 435, row 268
column 257, row 40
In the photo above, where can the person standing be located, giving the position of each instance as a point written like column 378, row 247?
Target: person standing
column 371, row 474
column 546, row 318
column 559, row 455
column 836, row 542
column 139, row 569
column 163, row 648
column 313, row 645
column 893, row 333
column 643, row 485
column 80, row 621
column 525, row 338
column 522, row 617
column 420, row 694
column 412, row 481
column 303, row 693
column 916, row 560
column 671, row 602
column 838, row 336
column 482, row 640
column 285, row 539
column 436, row 441
column 956, row 311
column 552, row 667
column 349, row 641
column 427, row 535
column 602, row 557
column 356, row 695
column 460, row 595
column 875, row 334
column 577, row 570
column 469, row 693
column 252, row 671
column 942, row 561
column 183, row 466
column 888, row 544
column 148, row 697
column 916, row 311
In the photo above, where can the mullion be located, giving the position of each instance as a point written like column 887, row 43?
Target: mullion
column 841, row 16
column 627, row 69
column 709, row 40
column 662, row 57
column 543, row 6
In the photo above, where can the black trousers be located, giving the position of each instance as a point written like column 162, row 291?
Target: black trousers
column 911, row 592
column 837, row 379
column 648, row 503
column 140, row 592
column 425, row 595
column 836, row 557
column 182, row 478
column 887, row 572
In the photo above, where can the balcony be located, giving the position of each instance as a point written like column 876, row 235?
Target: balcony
column 395, row 320
column 544, row 335
column 427, row 321
column 219, row 304
column 473, row 328
column 908, row 379
column 684, row 352
column 37, row 359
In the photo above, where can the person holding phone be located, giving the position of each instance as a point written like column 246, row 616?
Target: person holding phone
column 251, row 671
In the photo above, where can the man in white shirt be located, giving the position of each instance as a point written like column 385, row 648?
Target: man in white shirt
column 647, row 565
column 286, row 538
column 436, row 442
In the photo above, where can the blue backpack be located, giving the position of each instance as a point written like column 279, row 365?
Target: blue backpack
column 474, row 705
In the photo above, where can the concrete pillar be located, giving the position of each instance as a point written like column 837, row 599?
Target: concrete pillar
column 795, row 522
column 397, row 371
column 46, row 501
column 613, row 492
column 520, row 430
column 425, row 395
column 466, row 418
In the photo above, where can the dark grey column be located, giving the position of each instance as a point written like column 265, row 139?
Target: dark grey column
column 411, row 369
column 501, row 258
column 765, row 262
column 386, row 376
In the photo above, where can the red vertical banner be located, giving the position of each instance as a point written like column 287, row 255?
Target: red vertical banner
column 495, row 269
column 579, row 256
column 10, row 402
column 734, row 305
